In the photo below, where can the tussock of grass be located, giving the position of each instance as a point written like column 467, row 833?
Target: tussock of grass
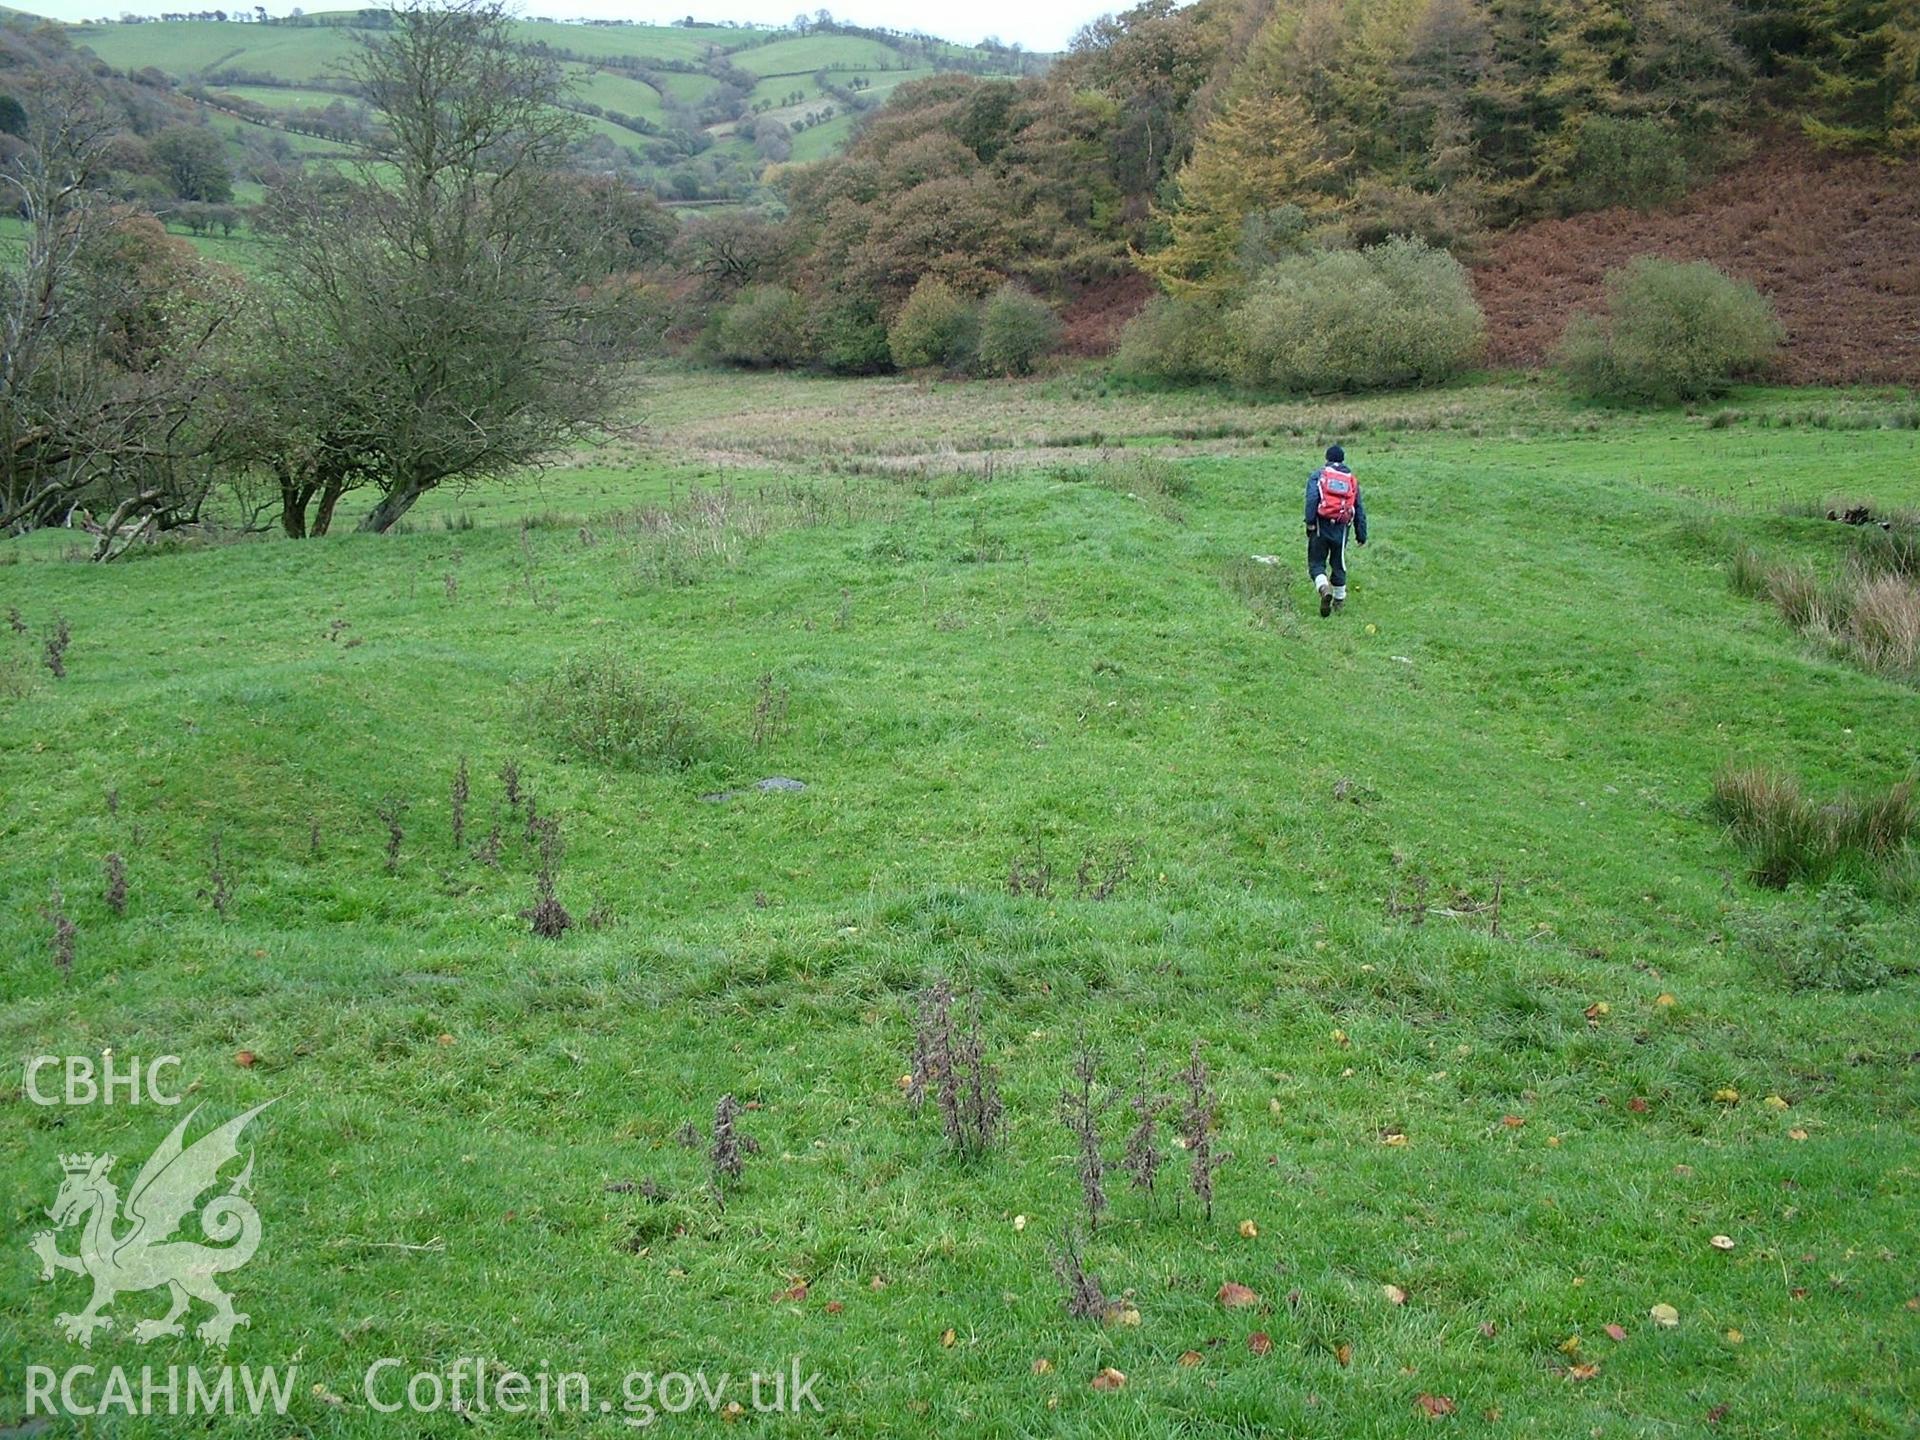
column 605, row 708
column 1266, row 591
column 679, row 542
column 1790, row 837
column 1869, row 611
column 1748, row 572
column 1883, row 623
column 1154, row 480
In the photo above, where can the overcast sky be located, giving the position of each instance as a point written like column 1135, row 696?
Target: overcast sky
column 1037, row 24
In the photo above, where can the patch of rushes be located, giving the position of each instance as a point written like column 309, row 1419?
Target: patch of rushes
column 1869, row 611
column 1263, row 588
column 679, row 542
column 1790, row 837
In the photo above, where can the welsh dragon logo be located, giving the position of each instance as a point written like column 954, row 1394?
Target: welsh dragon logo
column 132, row 1248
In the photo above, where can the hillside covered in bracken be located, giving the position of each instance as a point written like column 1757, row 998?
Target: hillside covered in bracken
column 1201, row 154
column 1832, row 240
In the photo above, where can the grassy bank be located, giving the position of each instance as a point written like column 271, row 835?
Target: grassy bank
column 1061, row 661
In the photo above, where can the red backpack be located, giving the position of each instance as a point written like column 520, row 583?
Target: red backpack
column 1339, row 493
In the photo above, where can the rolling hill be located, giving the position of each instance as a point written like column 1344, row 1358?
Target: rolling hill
column 693, row 111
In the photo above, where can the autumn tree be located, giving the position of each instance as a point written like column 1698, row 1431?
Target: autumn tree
column 1149, row 64
column 731, row 251
column 1263, row 151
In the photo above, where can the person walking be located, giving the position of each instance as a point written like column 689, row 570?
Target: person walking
column 1333, row 508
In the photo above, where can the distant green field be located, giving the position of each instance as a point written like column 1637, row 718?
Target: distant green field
column 615, row 90
column 619, row 134
column 302, row 52
column 817, row 142
column 776, row 89
column 234, row 128
column 805, row 54
column 186, row 48
column 646, row 42
column 601, row 88
column 684, row 86
column 242, row 250
column 191, row 50
column 884, row 82
column 286, row 97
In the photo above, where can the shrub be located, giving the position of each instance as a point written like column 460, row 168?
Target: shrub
column 1394, row 314
column 601, row 706
column 1266, row 591
column 1017, row 330
column 850, row 338
column 1447, row 220
column 766, row 325
column 1174, row 341
column 1672, row 332
column 1835, row 950
column 937, row 326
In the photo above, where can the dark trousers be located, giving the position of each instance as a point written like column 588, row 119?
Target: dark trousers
column 1326, row 557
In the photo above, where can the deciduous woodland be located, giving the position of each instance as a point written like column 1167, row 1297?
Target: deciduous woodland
column 444, row 290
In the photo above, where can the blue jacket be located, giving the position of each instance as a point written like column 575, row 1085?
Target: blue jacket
column 1331, row 530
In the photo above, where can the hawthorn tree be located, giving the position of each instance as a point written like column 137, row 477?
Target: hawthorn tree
column 453, row 307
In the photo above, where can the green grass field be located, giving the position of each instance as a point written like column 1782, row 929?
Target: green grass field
column 303, row 52
column 243, row 250
column 818, row 142
column 1015, row 625
column 644, row 42
column 685, row 86
column 805, row 54
column 307, row 147
column 287, row 97
column 187, row 48
column 613, row 90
